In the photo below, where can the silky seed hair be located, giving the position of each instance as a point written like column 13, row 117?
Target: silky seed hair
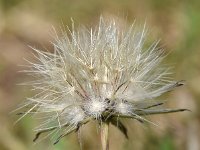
column 104, row 73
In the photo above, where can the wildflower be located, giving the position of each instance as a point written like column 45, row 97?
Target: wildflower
column 102, row 74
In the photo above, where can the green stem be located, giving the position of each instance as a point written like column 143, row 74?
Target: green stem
column 104, row 135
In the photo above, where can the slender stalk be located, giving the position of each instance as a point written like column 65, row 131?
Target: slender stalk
column 79, row 138
column 104, row 135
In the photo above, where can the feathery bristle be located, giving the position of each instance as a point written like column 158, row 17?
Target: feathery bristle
column 97, row 74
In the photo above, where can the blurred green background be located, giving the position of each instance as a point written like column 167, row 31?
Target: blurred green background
column 175, row 22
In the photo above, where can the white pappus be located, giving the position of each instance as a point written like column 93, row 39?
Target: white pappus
column 104, row 74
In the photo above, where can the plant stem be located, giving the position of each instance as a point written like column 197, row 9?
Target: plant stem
column 104, row 135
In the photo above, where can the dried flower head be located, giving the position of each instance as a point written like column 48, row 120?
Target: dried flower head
column 102, row 74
